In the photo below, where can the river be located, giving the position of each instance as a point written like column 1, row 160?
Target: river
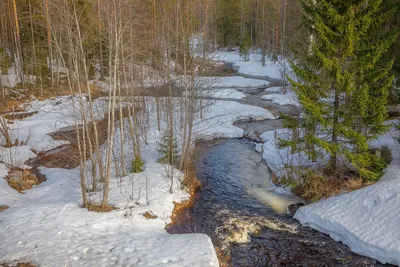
column 247, row 216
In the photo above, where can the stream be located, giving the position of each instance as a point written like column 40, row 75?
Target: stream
column 248, row 218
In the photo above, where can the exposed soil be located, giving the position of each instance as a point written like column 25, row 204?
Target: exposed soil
column 23, row 179
column 149, row 215
column 3, row 207
column 19, row 115
column 19, row 264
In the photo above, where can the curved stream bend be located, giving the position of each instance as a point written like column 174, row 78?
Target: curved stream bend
column 244, row 213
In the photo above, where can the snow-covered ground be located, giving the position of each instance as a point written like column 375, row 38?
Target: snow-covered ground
column 274, row 89
column 224, row 94
column 53, row 114
column 289, row 98
column 367, row 220
column 278, row 158
column 219, row 119
column 252, row 67
column 223, row 82
column 47, row 226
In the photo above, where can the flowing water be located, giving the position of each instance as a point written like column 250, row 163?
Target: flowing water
column 248, row 218
column 246, row 215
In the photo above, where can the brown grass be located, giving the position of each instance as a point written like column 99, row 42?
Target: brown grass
column 18, row 116
column 223, row 258
column 193, row 185
column 100, row 208
column 19, row 264
column 178, row 210
column 3, row 207
column 28, row 180
column 9, row 104
column 316, row 186
column 191, row 182
column 149, row 215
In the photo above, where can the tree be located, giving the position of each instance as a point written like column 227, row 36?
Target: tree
column 395, row 49
column 345, row 59
column 228, row 21
column 168, row 149
column 244, row 48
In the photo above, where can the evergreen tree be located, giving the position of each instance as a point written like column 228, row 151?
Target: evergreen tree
column 395, row 49
column 168, row 149
column 345, row 58
column 244, row 49
column 228, row 21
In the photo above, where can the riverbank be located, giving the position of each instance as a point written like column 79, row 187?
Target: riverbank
column 53, row 223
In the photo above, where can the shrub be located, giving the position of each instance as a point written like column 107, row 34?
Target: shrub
column 244, row 48
column 5, row 61
column 168, row 149
column 378, row 163
column 137, row 165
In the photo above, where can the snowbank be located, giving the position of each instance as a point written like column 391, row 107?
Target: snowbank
column 367, row 220
column 48, row 227
column 53, row 114
column 279, row 158
column 16, row 155
column 219, row 119
column 8, row 195
column 223, row 82
column 253, row 67
column 289, row 98
column 224, row 93
column 274, row 89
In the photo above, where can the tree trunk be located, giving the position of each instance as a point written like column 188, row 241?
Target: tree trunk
column 334, row 141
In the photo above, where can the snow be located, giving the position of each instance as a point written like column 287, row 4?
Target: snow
column 8, row 195
column 289, row 98
column 253, row 67
column 238, row 82
column 224, row 93
column 54, row 226
column 219, row 119
column 280, row 158
column 368, row 219
column 47, row 226
column 223, row 82
column 53, row 114
column 145, row 77
column 16, row 155
column 12, row 78
column 274, row 89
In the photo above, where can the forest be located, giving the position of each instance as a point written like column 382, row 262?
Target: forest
column 199, row 132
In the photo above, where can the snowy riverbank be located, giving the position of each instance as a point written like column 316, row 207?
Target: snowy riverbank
column 47, row 226
column 367, row 220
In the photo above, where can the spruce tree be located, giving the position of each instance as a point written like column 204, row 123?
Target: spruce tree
column 345, row 58
column 244, row 48
column 168, row 150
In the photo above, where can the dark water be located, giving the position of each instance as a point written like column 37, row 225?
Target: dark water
column 245, row 217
